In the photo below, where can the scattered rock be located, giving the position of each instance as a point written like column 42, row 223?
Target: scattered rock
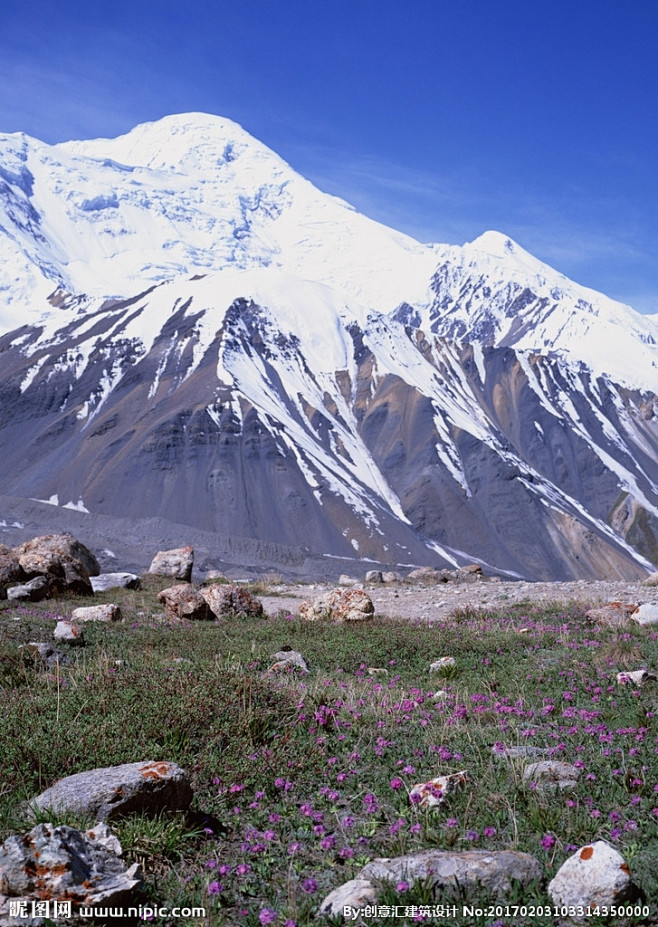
column 231, row 601
column 177, row 563
column 143, row 788
column 651, row 580
column 33, row 591
column 448, row 874
column 552, row 774
column 63, row 863
column 10, row 569
column 345, row 580
column 377, row 671
column 106, row 581
column 338, row 605
column 473, row 568
column 426, row 575
column 287, row 660
column 443, row 663
column 646, row 614
column 216, row 576
column 69, row 633
column 46, row 550
column 390, row 576
column 635, row 677
column 441, row 695
column 184, row 602
column 517, row 752
column 374, row 576
column 357, row 893
column 107, row 612
column 595, row 875
column 435, row 791
column 612, row 614
column 49, row 656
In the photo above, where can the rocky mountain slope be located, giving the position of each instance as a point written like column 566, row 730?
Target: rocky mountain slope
column 194, row 332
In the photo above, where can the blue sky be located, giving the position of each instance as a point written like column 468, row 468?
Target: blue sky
column 442, row 118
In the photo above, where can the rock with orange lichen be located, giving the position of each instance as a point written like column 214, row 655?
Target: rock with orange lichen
column 185, row 602
column 595, row 875
column 64, row 865
column 143, row 788
column 231, row 601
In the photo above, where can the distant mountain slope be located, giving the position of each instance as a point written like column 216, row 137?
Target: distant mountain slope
column 211, row 340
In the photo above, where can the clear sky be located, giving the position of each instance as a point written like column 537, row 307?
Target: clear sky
column 442, row 118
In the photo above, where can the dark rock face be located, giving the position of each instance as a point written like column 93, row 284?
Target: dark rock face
column 499, row 456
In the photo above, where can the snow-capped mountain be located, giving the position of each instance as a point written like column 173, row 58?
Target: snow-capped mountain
column 193, row 331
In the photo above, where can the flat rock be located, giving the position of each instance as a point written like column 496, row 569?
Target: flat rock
column 33, row 591
column 106, row 581
column 595, row 875
column 231, row 601
column 634, row 677
column 148, row 787
column 107, row 612
column 472, row 871
column 646, row 614
column 176, row 563
column 338, row 605
column 184, row 602
column 552, row 774
column 63, row 863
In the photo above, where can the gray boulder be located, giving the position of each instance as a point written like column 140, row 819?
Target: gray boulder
column 144, row 788
column 40, row 554
column 374, row 576
column 469, row 873
column 69, row 633
column 646, row 614
column 33, row 591
column 611, row 614
column 184, row 602
column 288, row 660
column 338, row 605
column 65, row 864
column 176, row 563
column 594, row 875
column 552, row 774
column 106, row 581
column 229, row 601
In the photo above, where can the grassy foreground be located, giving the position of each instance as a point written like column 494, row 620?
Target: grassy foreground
column 300, row 781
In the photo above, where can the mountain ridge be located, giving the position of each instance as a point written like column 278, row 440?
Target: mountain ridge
column 307, row 377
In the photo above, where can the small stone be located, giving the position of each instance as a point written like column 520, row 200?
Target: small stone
column 517, row 752
column 595, row 875
column 635, row 677
column 374, row 576
column 49, row 656
column 435, row 791
column 70, row 633
column 345, row 580
column 552, row 774
column 441, row 695
column 443, row 663
column 377, row 671
column 390, row 576
column 287, row 660
column 646, row 614
column 97, row 613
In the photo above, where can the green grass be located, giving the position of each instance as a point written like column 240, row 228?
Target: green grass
column 299, row 781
